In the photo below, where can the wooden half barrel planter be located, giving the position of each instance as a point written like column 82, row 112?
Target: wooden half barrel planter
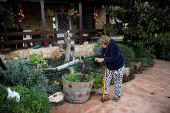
column 77, row 92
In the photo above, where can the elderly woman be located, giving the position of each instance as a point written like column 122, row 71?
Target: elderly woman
column 112, row 56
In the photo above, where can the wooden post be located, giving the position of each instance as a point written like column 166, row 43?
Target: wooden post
column 43, row 23
column 80, row 24
column 68, row 45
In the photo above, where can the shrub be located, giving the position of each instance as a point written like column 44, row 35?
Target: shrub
column 144, row 19
column 36, row 58
column 52, row 63
column 36, row 102
column 32, row 101
column 21, row 72
column 98, row 80
column 128, row 55
column 162, row 45
column 145, row 56
column 51, row 89
column 23, row 91
column 9, row 105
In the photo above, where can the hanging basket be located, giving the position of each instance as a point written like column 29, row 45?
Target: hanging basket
column 51, row 14
column 72, row 13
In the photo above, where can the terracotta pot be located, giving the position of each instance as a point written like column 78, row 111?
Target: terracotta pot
column 6, row 49
column 51, row 42
column 51, row 14
column 2, row 9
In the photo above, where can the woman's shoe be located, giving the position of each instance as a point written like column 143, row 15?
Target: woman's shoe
column 116, row 98
column 101, row 94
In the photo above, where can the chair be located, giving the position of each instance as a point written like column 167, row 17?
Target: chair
column 27, row 37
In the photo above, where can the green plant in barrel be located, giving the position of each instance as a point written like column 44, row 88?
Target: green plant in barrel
column 78, row 78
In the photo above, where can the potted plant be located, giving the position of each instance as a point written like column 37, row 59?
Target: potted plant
column 97, row 48
column 72, row 13
column 7, row 14
column 77, row 87
column 85, row 42
column 50, row 12
column 51, row 36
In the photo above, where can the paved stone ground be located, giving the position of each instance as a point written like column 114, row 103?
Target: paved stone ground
column 149, row 92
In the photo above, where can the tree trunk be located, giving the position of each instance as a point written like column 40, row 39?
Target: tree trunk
column 68, row 45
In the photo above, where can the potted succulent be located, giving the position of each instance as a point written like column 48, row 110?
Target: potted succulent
column 72, row 13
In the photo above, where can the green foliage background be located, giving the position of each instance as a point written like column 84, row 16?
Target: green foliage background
column 146, row 20
column 128, row 55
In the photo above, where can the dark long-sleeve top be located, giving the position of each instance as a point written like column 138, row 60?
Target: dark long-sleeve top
column 113, row 56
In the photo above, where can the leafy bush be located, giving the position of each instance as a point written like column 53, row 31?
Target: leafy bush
column 145, row 56
column 36, row 102
column 145, row 20
column 51, row 89
column 23, row 91
column 128, row 55
column 21, row 72
column 52, row 63
column 9, row 105
column 161, row 44
column 36, row 58
column 32, row 101
column 3, row 93
column 91, row 65
column 98, row 80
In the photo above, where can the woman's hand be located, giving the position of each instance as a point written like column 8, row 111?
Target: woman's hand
column 100, row 60
column 96, row 59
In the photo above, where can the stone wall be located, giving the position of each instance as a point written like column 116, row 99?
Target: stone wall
column 47, row 52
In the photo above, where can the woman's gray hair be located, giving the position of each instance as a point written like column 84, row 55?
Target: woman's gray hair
column 104, row 40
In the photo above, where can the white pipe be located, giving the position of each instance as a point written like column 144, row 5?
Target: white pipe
column 68, row 64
